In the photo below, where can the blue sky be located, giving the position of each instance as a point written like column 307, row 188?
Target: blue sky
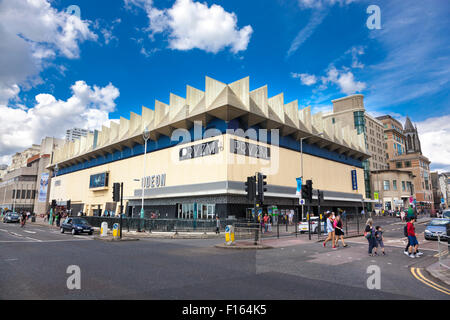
column 122, row 54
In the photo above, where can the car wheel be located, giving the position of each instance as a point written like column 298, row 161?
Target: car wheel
column 62, row 230
column 90, row 233
column 74, row 232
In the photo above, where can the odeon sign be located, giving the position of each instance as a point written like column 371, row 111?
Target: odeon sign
column 154, row 181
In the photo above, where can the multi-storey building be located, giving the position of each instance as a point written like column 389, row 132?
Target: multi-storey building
column 202, row 148
column 26, row 187
column 404, row 153
column 393, row 187
column 350, row 111
column 19, row 160
column 76, row 133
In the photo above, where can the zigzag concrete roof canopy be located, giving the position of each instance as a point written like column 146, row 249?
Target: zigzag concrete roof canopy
column 222, row 101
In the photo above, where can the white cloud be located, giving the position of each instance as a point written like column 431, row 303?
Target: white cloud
column 31, row 33
column 322, row 3
column 305, row 78
column 303, row 35
column 434, row 134
column 344, row 79
column 88, row 107
column 191, row 25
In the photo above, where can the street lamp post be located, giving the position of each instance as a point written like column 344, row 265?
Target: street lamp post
column 146, row 136
column 301, row 156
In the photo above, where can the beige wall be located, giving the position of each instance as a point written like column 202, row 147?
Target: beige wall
column 282, row 170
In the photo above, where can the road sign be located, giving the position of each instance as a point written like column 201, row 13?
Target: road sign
column 302, row 201
column 375, row 195
column 442, row 200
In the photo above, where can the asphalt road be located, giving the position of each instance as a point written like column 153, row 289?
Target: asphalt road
column 34, row 262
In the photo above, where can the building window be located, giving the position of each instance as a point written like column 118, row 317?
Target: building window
column 360, row 121
column 28, row 194
column 407, row 164
column 386, row 185
column 403, row 186
column 333, row 120
column 398, row 164
column 394, row 184
column 13, row 194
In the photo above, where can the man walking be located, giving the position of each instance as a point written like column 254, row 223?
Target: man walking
column 217, row 225
column 412, row 239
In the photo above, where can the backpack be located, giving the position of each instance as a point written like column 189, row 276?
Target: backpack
column 405, row 230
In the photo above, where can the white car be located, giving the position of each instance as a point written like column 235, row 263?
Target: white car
column 303, row 226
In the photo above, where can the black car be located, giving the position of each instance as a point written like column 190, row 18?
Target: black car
column 76, row 225
column 11, row 217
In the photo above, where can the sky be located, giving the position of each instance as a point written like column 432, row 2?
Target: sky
column 82, row 63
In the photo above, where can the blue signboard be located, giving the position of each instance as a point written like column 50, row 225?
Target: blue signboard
column 354, row 180
column 442, row 200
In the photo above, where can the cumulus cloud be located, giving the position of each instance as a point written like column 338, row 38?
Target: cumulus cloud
column 305, row 78
column 191, row 25
column 31, row 33
column 88, row 107
column 344, row 79
column 434, row 134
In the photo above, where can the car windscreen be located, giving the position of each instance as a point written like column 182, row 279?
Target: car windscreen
column 79, row 221
column 439, row 222
column 14, row 215
column 446, row 214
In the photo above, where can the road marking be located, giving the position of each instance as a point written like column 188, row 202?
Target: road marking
column 419, row 276
column 42, row 241
column 29, row 231
column 11, row 259
column 34, row 239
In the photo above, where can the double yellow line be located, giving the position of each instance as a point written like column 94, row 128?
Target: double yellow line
column 416, row 272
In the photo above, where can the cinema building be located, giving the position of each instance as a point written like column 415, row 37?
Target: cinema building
column 200, row 151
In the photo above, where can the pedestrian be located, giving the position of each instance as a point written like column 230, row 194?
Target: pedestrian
column 330, row 231
column 58, row 218
column 269, row 222
column 217, row 225
column 369, row 234
column 379, row 240
column 266, row 222
column 412, row 239
column 46, row 216
column 339, row 232
column 23, row 219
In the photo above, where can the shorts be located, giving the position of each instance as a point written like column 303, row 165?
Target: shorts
column 412, row 241
column 330, row 230
column 380, row 243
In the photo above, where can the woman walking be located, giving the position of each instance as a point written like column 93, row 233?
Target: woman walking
column 339, row 232
column 330, row 231
column 369, row 233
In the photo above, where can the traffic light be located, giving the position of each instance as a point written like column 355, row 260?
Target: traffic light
column 250, row 188
column 53, row 204
column 309, row 189
column 261, row 188
column 68, row 205
column 116, row 192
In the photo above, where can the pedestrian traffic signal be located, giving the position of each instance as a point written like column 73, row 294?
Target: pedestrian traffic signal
column 261, row 188
column 116, row 192
column 250, row 188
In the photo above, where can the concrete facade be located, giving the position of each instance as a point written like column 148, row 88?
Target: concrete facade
column 201, row 150
column 395, row 188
